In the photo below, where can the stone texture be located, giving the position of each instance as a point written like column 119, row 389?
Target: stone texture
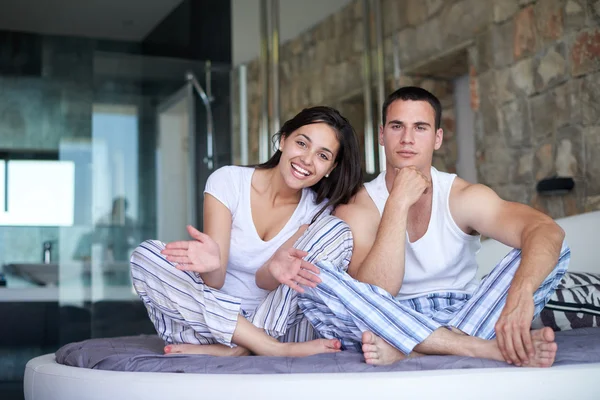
column 524, row 170
column 488, row 101
column 517, row 193
column 474, row 89
column 593, row 12
column 416, row 11
column 522, row 76
column 406, row 40
column 574, row 14
column 592, row 203
column 570, row 154
column 525, row 38
column 504, row 9
column 550, row 68
column 585, row 52
column 589, row 99
column 393, row 20
column 534, row 83
column 515, row 123
column 427, row 43
column 464, row 18
column 493, row 159
column 591, row 137
column 485, row 50
column 565, row 164
column 550, row 110
column 544, row 161
column 502, row 42
column 549, row 20
column 434, row 6
column 505, row 86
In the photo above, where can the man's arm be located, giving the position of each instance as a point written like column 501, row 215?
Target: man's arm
column 362, row 217
column 477, row 207
column 378, row 255
column 381, row 246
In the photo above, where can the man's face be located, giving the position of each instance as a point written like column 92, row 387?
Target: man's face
column 409, row 135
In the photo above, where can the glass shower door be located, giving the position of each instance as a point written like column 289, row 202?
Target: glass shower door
column 175, row 164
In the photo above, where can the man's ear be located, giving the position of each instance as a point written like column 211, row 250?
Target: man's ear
column 439, row 138
column 380, row 135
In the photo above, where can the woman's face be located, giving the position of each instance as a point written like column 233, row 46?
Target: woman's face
column 308, row 154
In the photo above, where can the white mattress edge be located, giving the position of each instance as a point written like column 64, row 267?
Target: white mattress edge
column 45, row 379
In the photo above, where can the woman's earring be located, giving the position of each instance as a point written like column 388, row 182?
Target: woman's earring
column 327, row 176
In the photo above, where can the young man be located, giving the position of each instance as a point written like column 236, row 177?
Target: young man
column 415, row 233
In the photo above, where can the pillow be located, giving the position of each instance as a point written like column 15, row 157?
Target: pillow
column 575, row 303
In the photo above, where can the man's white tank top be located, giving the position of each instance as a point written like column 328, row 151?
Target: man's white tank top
column 443, row 260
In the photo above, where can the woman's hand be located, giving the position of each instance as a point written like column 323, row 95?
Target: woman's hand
column 200, row 255
column 288, row 268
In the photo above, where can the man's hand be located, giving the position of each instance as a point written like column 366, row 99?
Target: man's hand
column 409, row 185
column 200, row 255
column 513, row 329
column 288, row 268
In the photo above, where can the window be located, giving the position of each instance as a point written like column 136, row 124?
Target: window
column 36, row 192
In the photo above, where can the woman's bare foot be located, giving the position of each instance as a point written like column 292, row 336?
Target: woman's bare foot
column 303, row 349
column 379, row 352
column 208, row 349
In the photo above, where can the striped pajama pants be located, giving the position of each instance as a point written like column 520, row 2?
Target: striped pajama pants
column 185, row 310
column 343, row 308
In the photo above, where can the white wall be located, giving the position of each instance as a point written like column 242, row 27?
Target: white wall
column 296, row 16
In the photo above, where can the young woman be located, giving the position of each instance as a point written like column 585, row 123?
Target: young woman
column 203, row 294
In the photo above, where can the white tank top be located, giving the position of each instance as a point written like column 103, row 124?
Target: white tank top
column 443, row 260
column 231, row 185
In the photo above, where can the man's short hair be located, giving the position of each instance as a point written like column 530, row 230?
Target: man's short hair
column 414, row 93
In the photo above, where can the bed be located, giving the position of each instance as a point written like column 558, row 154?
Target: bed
column 134, row 368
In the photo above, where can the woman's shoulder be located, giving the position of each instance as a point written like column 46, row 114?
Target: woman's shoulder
column 309, row 198
column 233, row 170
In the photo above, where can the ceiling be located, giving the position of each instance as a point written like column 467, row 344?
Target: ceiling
column 128, row 20
column 132, row 20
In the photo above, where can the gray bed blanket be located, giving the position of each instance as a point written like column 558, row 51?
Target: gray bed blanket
column 144, row 354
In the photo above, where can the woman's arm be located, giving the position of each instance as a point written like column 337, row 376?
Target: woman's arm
column 217, row 225
column 287, row 267
column 208, row 254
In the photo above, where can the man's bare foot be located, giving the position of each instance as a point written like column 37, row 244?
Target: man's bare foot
column 543, row 344
column 379, row 352
column 208, row 349
column 318, row 346
column 545, row 348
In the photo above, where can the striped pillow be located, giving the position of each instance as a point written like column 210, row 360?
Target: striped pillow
column 575, row 304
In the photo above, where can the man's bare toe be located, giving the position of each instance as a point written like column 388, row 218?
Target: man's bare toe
column 379, row 352
column 545, row 348
column 543, row 335
column 369, row 338
column 368, row 348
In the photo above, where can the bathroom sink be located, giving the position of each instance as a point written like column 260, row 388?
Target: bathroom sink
column 47, row 274
column 40, row 274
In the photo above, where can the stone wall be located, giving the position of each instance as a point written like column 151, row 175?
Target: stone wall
column 535, row 83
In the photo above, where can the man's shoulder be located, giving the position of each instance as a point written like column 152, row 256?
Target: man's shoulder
column 462, row 188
